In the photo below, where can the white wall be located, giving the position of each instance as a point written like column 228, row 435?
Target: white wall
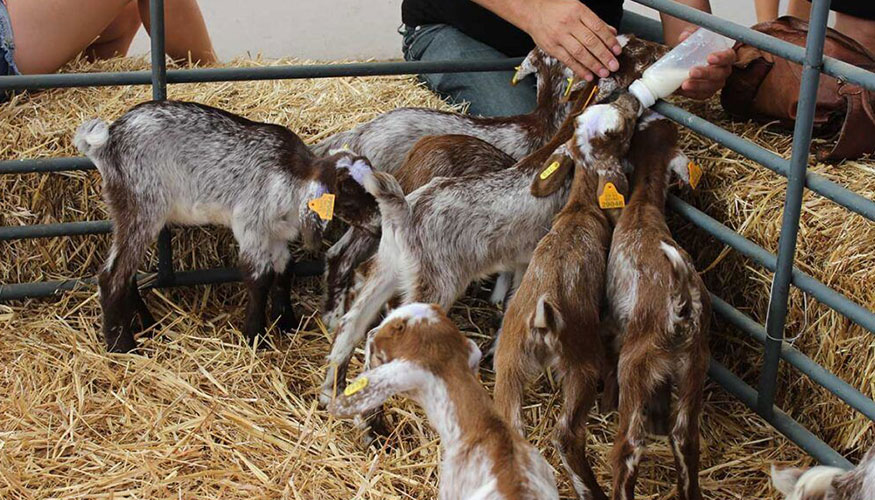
column 308, row 29
column 339, row 29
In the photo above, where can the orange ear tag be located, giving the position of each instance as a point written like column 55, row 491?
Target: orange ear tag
column 695, row 174
column 355, row 386
column 547, row 172
column 611, row 198
column 323, row 206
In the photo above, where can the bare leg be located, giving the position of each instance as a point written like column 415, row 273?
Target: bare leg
column 579, row 388
column 799, row 8
column 187, row 35
column 116, row 39
column 48, row 33
column 767, row 10
column 861, row 30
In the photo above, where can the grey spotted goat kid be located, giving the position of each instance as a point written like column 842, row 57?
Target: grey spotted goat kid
column 661, row 312
column 828, row 483
column 418, row 352
column 186, row 163
column 432, row 156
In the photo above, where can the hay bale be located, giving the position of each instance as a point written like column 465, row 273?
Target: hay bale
column 834, row 246
column 203, row 416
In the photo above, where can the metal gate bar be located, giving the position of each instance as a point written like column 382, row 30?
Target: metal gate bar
column 795, row 170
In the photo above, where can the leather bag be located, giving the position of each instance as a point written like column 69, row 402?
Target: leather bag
column 765, row 88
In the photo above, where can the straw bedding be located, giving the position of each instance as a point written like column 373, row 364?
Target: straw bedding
column 201, row 415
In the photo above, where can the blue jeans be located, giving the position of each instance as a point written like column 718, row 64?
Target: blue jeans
column 489, row 93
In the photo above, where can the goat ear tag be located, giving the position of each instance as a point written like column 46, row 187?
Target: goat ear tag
column 610, row 198
column 568, row 86
column 695, row 174
column 516, row 75
column 547, row 172
column 355, row 386
column 323, row 206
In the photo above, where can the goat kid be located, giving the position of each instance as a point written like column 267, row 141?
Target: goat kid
column 186, row 163
column 553, row 318
column 662, row 312
column 356, row 246
column 828, row 483
column 418, row 351
column 432, row 156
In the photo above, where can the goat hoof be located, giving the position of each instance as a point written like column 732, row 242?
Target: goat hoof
column 325, row 398
column 121, row 344
column 287, row 322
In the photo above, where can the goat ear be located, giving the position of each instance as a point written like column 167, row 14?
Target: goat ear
column 526, row 68
column 785, row 479
column 373, row 387
column 357, row 169
column 680, row 166
column 546, row 316
column 312, row 227
column 553, row 176
column 474, row 356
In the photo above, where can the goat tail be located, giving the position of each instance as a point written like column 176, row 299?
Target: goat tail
column 90, row 139
column 546, row 315
column 390, row 197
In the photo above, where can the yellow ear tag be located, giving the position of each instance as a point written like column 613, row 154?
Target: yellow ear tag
column 547, row 172
column 355, row 386
column 610, row 198
column 323, row 206
column 695, row 174
column 515, row 79
column 568, row 86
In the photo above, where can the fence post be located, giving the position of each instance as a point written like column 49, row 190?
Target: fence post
column 159, row 93
column 777, row 314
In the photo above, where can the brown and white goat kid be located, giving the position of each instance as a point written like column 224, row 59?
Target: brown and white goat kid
column 186, row 163
column 828, row 483
column 516, row 136
column 418, row 351
column 553, row 318
column 662, row 311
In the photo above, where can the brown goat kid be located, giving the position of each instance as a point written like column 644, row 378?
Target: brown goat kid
column 552, row 321
column 553, row 318
column 662, row 311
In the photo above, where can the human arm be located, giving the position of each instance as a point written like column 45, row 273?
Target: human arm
column 704, row 81
column 567, row 30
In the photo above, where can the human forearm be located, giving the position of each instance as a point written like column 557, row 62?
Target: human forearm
column 567, row 30
column 672, row 27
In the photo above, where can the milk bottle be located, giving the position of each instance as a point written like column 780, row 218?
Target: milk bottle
column 668, row 73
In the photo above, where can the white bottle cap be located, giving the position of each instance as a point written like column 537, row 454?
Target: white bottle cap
column 639, row 90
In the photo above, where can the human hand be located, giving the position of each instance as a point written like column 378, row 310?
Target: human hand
column 705, row 81
column 573, row 34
